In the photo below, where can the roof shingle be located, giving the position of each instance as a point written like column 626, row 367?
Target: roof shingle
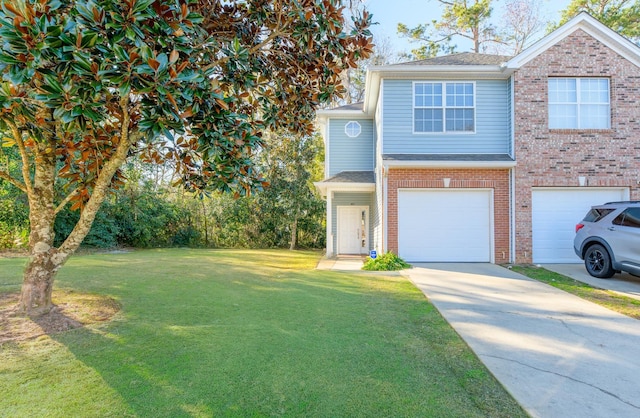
column 462, row 58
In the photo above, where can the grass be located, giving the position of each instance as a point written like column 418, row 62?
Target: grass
column 607, row 298
column 245, row 333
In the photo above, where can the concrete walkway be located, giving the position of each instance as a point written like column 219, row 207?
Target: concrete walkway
column 342, row 263
column 557, row 354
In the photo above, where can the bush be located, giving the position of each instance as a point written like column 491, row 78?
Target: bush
column 385, row 262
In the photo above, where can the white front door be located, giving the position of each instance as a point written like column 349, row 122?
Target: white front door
column 353, row 228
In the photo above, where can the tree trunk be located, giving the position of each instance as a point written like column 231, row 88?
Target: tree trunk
column 37, row 285
column 35, row 298
column 45, row 260
column 294, row 233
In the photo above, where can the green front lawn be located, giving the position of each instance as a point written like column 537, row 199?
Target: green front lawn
column 245, row 333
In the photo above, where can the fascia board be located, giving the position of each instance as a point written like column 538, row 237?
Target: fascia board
column 341, row 114
column 326, row 188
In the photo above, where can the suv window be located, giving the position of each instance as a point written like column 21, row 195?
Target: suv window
column 594, row 215
column 630, row 217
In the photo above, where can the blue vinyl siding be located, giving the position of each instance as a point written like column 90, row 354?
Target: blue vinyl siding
column 353, row 199
column 350, row 154
column 492, row 116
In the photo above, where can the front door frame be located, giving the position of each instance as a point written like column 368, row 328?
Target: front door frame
column 339, row 223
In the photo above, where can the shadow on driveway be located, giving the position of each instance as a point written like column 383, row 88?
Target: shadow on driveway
column 557, row 354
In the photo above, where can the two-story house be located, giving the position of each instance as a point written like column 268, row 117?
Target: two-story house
column 486, row 158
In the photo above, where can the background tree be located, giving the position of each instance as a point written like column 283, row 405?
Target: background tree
column 620, row 15
column 522, row 22
column 291, row 166
column 383, row 54
column 89, row 83
column 469, row 19
column 14, row 213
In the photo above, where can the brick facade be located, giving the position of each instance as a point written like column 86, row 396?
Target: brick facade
column 496, row 179
column 556, row 158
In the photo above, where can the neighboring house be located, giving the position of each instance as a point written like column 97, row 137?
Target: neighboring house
column 485, row 158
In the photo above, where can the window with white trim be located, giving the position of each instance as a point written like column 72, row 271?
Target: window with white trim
column 443, row 107
column 352, row 129
column 579, row 103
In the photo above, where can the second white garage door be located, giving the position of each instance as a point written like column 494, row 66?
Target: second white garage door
column 445, row 225
column 555, row 213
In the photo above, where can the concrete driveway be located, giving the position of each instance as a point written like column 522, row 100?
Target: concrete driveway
column 623, row 283
column 558, row 355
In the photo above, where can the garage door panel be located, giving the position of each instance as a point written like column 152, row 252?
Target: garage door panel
column 555, row 212
column 445, row 226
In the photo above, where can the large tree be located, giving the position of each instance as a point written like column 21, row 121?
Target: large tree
column 86, row 84
column 469, row 19
column 522, row 21
column 292, row 164
column 620, row 15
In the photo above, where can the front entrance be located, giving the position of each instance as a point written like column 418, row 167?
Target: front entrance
column 353, row 230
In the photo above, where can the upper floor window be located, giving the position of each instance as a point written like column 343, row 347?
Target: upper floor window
column 443, row 107
column 352, row 129
column 579, row 103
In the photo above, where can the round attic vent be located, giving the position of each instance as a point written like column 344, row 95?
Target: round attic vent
column 352, row 129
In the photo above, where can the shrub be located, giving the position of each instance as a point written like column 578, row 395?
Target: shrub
column 385, row 262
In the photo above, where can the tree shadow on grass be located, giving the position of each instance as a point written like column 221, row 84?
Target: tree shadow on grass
column 303, row 344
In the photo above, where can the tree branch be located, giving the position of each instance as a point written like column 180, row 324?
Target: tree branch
column 26, row 167
column 101, row 186
column 5, row 175
column 66, row 200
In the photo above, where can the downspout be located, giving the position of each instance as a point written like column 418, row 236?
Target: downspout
column 385, row 185
column 512, row 214
column 330, row 223
column 512, row 172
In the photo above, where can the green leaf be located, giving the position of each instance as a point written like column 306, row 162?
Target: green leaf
column 125, row 88
column 120, row 53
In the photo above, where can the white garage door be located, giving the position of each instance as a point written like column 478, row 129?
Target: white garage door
column 445, row 225
column 555, row 213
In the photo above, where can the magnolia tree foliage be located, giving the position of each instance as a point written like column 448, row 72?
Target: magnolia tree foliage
column 86, row 84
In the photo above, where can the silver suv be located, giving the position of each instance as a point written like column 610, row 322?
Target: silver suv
column 608, row 239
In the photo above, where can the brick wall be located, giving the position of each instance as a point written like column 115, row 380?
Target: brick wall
column 498, row 180
column 558, row 157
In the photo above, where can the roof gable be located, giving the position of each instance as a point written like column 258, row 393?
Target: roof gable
column 587, row 23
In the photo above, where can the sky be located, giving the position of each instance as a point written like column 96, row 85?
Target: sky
column 388, row 13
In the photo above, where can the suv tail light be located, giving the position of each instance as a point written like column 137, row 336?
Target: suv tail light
column 579, row 227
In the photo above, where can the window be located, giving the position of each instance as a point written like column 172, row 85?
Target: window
column 596, row 214
column 579, row 103
column 443, row 107
column 630, row 217
column 352, row 129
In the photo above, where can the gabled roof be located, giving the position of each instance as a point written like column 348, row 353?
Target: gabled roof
column 351, row 106
column 355, row 181
column 463, row 58
column 353, row 110
column 352, row 177
column 589, row 24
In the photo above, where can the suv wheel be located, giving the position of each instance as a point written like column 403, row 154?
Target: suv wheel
column 598, row 262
